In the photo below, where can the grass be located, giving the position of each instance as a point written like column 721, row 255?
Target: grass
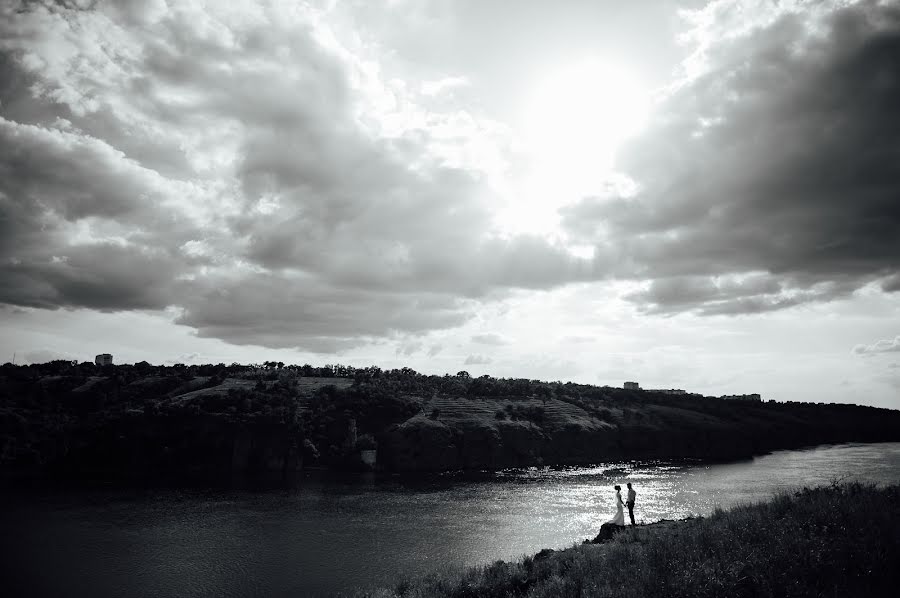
column 556, row 413
column 832, row 541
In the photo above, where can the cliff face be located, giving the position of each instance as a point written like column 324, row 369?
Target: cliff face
column 196, row 448
column 465, row 438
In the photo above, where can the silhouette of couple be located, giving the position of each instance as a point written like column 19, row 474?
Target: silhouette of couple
column 619, row 517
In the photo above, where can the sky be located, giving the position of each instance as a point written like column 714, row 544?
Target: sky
column 688, row 194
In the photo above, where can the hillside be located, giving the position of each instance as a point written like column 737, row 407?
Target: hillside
column 212, row 422
column 491, row 424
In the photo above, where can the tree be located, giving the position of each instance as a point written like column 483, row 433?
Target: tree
column 463, row 374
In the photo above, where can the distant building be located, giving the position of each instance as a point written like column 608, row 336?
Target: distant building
column 668, row 391
column 103, row 359
column 632, row 386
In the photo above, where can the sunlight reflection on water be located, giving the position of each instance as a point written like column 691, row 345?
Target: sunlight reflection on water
column 676, row 490
column 334, row 535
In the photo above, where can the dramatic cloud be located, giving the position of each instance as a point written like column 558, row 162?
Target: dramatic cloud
column 257, row 171
column 770, row 178
column 245, row 167
column 882, row 346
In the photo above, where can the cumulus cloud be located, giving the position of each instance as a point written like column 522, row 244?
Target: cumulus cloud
column 246, row 167
column 769, row 177
column 881, row 346
column 490, row 338
column 251, row 168
column 478, row 360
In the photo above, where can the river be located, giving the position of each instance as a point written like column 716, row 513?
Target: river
column 335, row 533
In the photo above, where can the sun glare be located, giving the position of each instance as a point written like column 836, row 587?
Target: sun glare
column 582, row 112
column 572, row 124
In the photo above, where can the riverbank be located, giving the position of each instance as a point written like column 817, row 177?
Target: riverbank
column 154, row 425
column 838, row 540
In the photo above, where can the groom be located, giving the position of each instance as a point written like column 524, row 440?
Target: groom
column 630, row 502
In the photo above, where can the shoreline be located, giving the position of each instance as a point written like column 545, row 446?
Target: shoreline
column 40, row 480
column 841, row 539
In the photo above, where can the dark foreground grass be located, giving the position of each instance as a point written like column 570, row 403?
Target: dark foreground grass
column 834, row 541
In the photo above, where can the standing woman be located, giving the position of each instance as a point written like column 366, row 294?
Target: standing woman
column 619, row 518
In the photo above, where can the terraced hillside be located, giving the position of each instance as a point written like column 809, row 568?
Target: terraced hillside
column 490, row 424
column 304, row 389
column 215, row 420
column 551, row 413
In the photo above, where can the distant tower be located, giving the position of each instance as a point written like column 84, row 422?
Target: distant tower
column 632, row 386
column 103, row 359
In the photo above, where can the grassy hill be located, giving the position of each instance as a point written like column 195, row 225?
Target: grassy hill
column 215, row 421
column 842, row 540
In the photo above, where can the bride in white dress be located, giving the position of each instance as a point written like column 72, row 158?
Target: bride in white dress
column 619, row 518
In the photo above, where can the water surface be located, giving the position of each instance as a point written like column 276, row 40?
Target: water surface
column 337, row 533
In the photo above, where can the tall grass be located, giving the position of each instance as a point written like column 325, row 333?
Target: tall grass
column 833, row 541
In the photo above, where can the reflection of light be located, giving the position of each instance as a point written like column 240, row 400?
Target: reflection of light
column 580, row 499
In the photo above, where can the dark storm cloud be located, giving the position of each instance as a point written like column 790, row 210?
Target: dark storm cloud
column 70, row 175
column 105, row 277
column 779, row 163
column 891, row 284
column 51, row 179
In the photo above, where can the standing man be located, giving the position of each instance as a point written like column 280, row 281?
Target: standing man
column 630, row 502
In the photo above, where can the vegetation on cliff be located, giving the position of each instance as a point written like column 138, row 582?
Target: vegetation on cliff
column 842, row 540
column 212, row 421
